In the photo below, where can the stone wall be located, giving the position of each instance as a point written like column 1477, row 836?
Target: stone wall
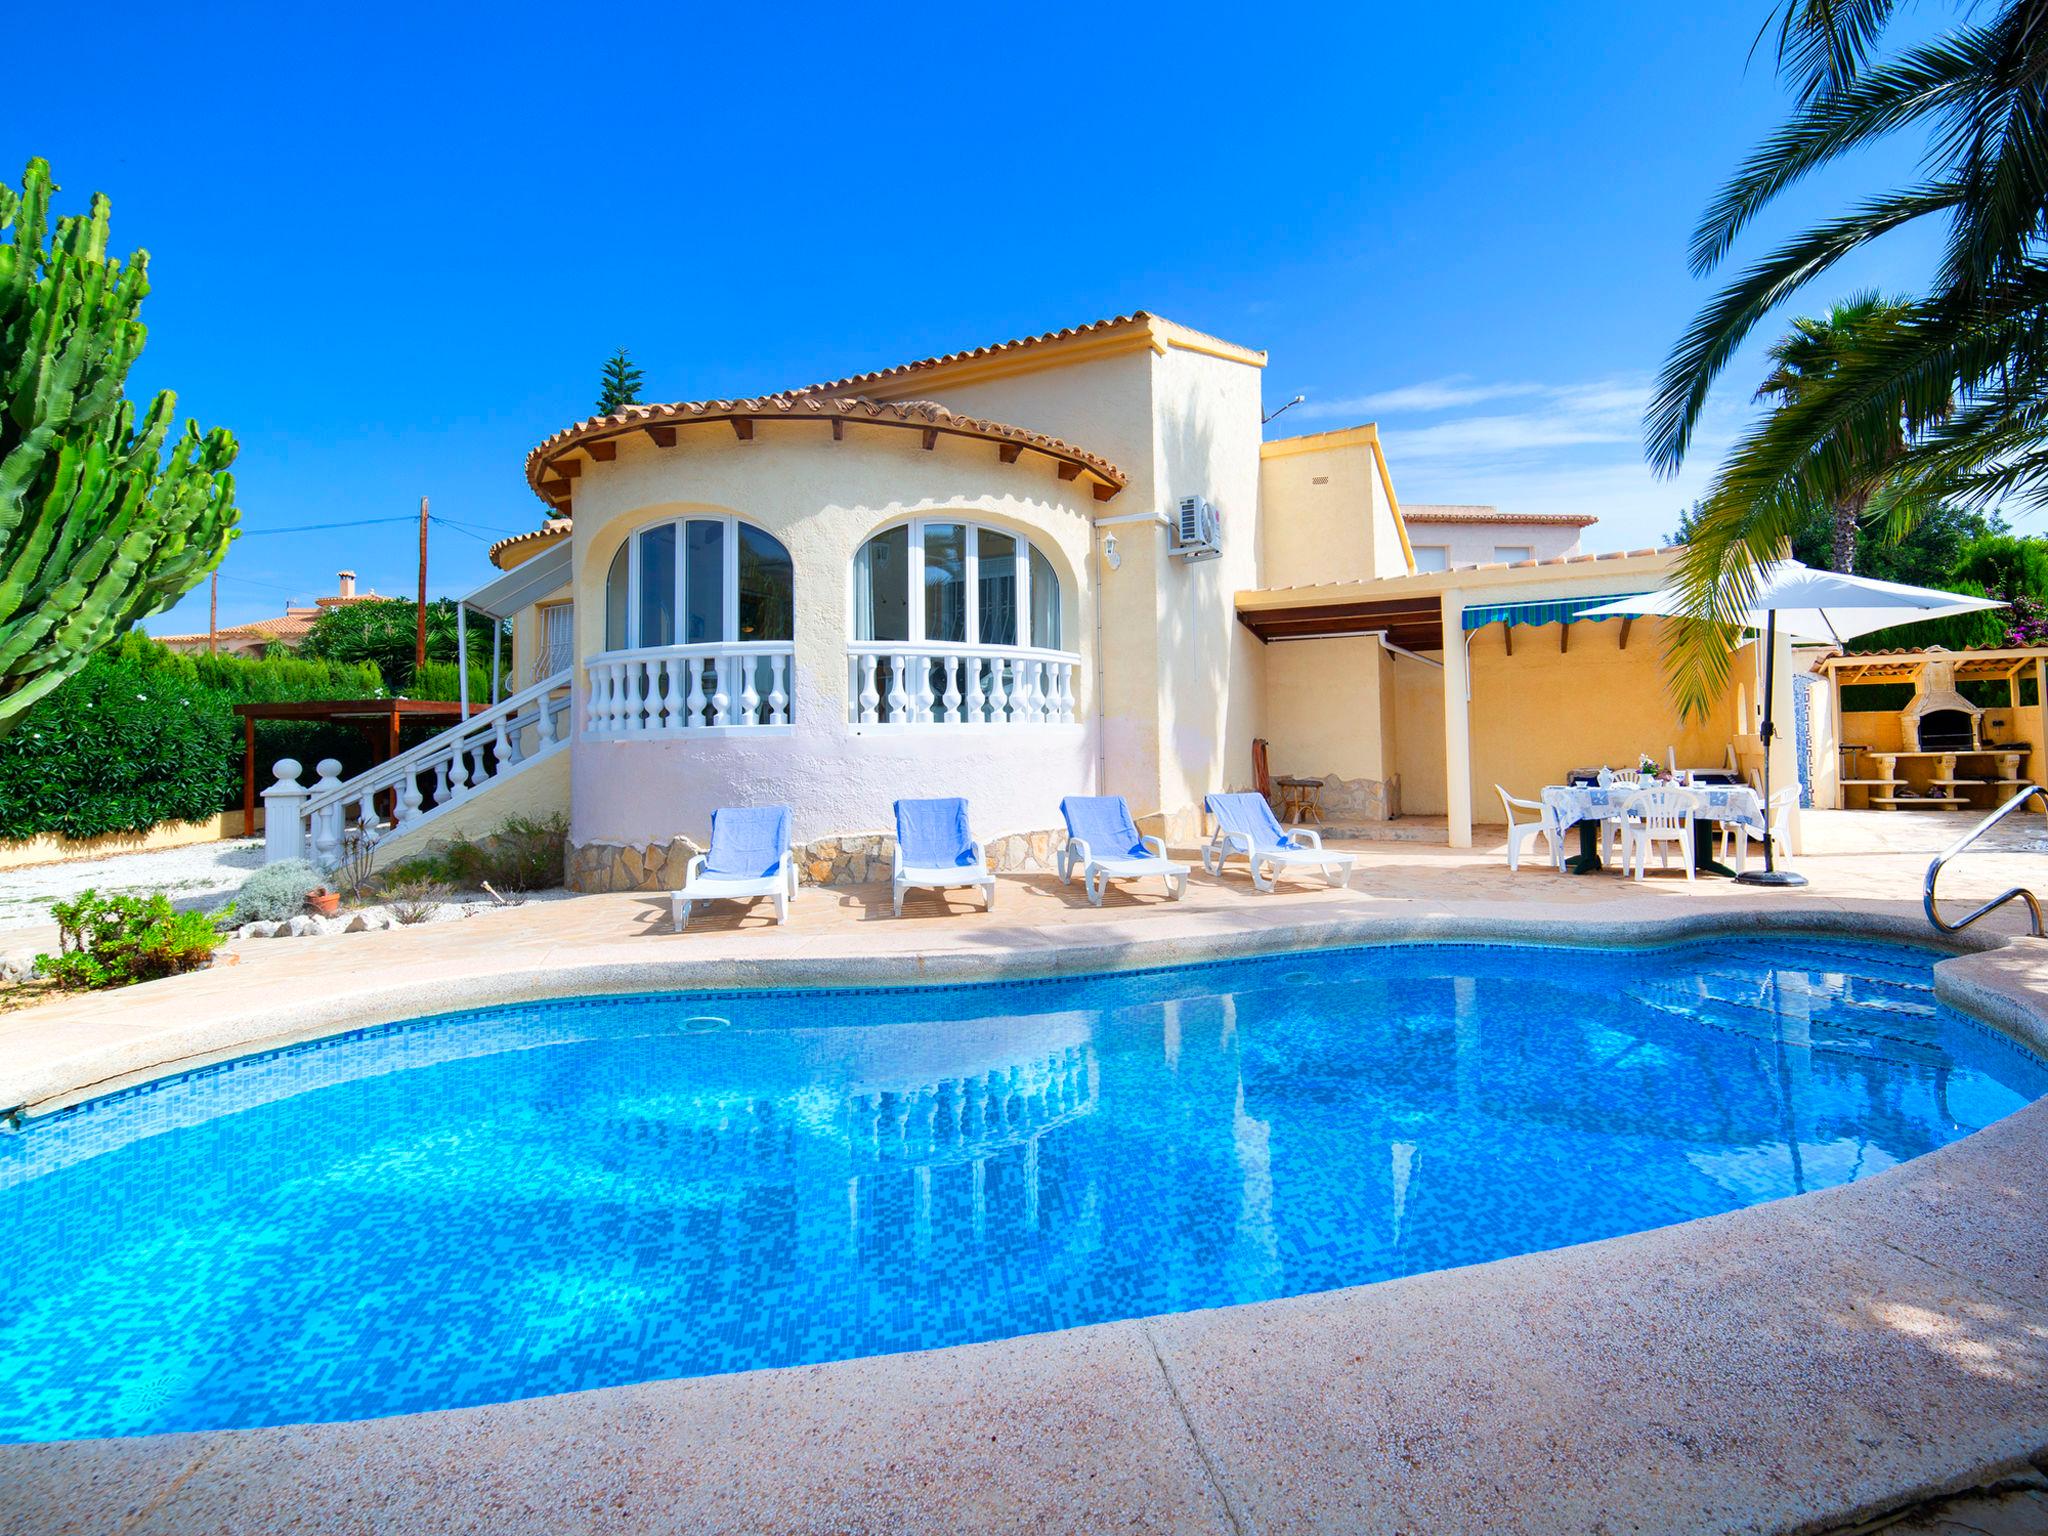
column 1350, row 801
column 850, row 860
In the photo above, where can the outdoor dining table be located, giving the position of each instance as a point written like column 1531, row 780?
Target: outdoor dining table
column 1586, row 806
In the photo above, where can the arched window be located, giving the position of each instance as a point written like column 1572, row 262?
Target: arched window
column 953, row 623
column 976, row 586
column 699, row 581
column 699, row 613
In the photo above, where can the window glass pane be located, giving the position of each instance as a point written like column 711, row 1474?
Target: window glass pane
column 996, row 555
column 1045, row 603
column 657, row 617
column 881, row 587
column 1432, row 557
column 615, row 601
column 704, row 585
column 767, row 587
column 945, row 581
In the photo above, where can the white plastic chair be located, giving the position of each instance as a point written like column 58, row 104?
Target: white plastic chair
column 936, row 850
column 1103, row 845
column 750, row 856
column 1656, row 818
column 1247, row 829
column 1519, row 832
column 1777, row 816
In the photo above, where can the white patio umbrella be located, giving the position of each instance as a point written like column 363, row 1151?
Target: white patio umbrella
column 1814, row 605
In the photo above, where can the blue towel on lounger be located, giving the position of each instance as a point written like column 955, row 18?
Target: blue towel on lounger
column 933, row 833
column 1248, row 812
column 747, row 842
column 1104, row 823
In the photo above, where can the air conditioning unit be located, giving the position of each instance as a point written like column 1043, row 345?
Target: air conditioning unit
column 1198, row 531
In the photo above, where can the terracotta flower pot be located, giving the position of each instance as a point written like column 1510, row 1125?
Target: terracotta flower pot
column 324, row 902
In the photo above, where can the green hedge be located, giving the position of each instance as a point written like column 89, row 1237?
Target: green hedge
column 117, row 748
column 144, row 735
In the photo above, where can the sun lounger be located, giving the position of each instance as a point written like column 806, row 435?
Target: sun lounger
column 749, row 857
column 1246, row 828
column 936, row 851
column 1103, row 845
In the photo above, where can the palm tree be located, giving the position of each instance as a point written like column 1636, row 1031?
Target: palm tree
column 1976, row 342
column 1805, row 362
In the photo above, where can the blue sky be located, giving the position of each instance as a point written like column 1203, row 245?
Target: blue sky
column 391, row 249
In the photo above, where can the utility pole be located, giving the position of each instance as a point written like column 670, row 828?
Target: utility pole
column 419, row 644
column 213, row 616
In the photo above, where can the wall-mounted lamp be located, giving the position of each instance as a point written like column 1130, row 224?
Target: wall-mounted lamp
column 1290, row 405
column 1110, row 555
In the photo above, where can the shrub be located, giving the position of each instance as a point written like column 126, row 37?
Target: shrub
column 118, row 748
column 276, row 891
column 443, row 680
column 414, row 897
column 522, row 855
column 114, row 941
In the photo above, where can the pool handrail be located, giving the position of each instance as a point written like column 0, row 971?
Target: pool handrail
column 2019, row 891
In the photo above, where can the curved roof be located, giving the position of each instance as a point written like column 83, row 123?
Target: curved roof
column 553, row 528
column 926, row 416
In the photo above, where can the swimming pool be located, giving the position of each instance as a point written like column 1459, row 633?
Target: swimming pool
column 552, row 1196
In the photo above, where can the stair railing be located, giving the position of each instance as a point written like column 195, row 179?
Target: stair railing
column 440, row 772
column 2017, row 893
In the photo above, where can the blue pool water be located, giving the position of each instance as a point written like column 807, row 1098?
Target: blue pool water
column 546, row 1197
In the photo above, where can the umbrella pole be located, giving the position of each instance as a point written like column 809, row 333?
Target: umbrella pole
column 1770, row 874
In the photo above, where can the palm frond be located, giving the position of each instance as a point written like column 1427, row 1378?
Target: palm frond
column 1704, row 350
column 1925, row 82
column 1823, row 43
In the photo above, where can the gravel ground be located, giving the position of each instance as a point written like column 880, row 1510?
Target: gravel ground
column 201, row 875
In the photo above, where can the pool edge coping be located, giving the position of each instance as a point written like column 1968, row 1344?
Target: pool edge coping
column 1990, row 980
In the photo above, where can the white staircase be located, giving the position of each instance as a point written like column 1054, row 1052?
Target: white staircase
column 418, row 785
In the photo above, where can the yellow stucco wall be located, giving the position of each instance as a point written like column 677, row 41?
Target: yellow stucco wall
column 1535, row 714
column 1326, row 711
column 536, row 792
column 1325, row 514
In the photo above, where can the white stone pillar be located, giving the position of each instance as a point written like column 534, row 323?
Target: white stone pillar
column 325, row 826
column 284, row 835
column 1457, row 723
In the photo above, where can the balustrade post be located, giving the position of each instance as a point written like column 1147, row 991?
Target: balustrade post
column 326, row 823
column 898, row 699
column 284, row 805
column 952, row 700
column 750, row 696
column 721, row 690
column 778, row 690
column 870, row 700
column 695, row 702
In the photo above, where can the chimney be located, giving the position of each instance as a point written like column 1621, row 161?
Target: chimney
column 348, row 583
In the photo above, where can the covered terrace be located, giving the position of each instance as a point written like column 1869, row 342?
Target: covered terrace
column 1415, row 695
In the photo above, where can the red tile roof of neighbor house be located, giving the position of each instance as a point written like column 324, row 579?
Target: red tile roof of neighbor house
column 289, row 628
column 1427, row 512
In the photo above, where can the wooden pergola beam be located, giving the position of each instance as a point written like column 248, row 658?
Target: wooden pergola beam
column 568, row 469
column 1068, row 471
column 743, row 428
column 602, row 452
column 1626, row 620
column 931, row 438
column 664, row 437
column 1008, row 452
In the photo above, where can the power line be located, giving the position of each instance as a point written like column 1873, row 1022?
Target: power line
column 361, row 522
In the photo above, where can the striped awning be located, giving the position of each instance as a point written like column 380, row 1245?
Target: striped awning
column 1561, row 611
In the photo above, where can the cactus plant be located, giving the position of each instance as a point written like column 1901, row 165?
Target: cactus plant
column 99, row 527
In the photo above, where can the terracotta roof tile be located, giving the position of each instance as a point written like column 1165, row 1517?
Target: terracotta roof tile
column 547, row 530
column 1428, row 512
column 811, row 407
column 972, row 354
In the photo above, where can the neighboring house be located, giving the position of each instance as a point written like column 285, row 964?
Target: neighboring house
column 251, row 639
column 1447, row 536
column 1063, row 564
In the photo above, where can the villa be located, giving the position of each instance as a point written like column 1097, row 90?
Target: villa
column 1063, row 564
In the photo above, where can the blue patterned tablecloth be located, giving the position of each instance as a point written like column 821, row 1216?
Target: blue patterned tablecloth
column 1574, row 803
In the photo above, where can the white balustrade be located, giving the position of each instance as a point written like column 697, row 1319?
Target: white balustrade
column 441, row 771
column 672, row 690
column 894, row 683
